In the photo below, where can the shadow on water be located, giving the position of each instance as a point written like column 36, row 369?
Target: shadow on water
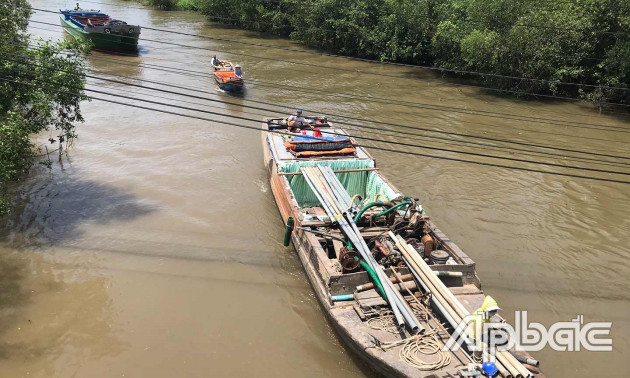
column 52, row 210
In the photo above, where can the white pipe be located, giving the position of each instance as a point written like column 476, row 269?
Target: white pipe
column 514, row 367
column 393, row 295
column 367, row 257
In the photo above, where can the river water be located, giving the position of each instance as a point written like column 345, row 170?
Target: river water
column 153, row 247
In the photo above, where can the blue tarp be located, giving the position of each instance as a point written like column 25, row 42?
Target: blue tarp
column 323, row 138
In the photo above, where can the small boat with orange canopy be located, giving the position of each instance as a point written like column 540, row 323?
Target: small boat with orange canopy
column 227, row 76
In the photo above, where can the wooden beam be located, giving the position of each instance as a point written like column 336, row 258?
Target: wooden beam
column 340, row 171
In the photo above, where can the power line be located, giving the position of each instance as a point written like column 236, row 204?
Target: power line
column 357, row 137
column 465, row 20
column 400, row 125
column 426, row 106
column 289, row 134
column 303, row 51
column 441, row 107
column 412, row 104
column 433, row 107
column 454, row 142
column 373, row 128
column 366, row 97
column 379, row 130
column 312, row 28
column 423, row 105
column 357, row 71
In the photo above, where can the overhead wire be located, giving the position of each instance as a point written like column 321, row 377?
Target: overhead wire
column 600, row 112
column 435, row 131
column 357, row 71
column 532, row 170
column 426, row 106
column 203, row 75
column 341, row 122
column 435, row 107
column 363, row 137
column 465, row 20
column 304, row 51
column 420, row 105
column 393, row 133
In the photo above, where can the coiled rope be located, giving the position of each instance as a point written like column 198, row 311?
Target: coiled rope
column 414, row 350
column 427, row 346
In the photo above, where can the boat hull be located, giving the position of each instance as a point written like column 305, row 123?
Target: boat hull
column 225, row 76
column 231, row 87
column 101, row 41
column 344, row 317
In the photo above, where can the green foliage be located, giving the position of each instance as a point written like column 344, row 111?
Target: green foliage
column 163, row 4
column 584, row 41
column 41, row 93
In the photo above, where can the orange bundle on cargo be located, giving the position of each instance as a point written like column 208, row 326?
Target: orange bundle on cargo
column 224, row 74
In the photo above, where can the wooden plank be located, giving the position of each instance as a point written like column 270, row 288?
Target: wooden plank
column 339, row 171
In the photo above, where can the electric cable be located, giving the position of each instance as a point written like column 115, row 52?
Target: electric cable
column 372, row 147
column 267, row 110
column 363, row 138
column 303, row 51
column 352, row 70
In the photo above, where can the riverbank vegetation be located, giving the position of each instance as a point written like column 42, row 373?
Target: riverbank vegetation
column 576, row 42
column 40, row 90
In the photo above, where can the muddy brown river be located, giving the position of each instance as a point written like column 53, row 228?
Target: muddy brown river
column 153, row 248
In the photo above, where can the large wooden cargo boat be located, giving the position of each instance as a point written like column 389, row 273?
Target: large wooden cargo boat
column 104, row 32
column 344, row 288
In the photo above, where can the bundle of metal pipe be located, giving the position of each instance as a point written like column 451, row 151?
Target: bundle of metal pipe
column 337, row 203
column 450, row 306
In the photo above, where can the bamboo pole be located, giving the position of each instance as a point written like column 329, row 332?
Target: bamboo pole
column 514, row 367
column 409, row 277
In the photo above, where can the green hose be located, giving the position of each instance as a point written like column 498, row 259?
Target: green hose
column 374, row 277
column 288, row 231
column 391, row 209
column 356, row 219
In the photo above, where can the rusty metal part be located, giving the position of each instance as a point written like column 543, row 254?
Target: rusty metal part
column 415, row 243
column 382, row 247
column 348, row 259
column 427, row 242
